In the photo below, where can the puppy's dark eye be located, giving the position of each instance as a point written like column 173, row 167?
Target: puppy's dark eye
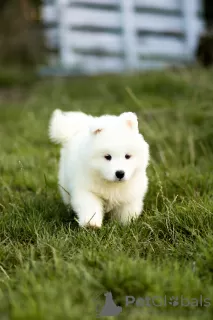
column 108, row 157
column 127, row 156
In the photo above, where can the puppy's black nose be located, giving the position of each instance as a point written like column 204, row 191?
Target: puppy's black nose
column 120, row 174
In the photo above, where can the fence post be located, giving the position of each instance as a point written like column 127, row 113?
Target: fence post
column 65, row 52
column 129, row 34
column 190, row 13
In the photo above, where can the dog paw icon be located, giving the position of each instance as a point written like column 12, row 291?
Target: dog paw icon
column 173, row 301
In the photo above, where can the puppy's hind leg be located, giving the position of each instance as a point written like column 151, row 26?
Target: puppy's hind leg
column 88, row 208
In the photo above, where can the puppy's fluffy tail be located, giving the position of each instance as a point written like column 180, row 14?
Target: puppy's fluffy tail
column 64, row 125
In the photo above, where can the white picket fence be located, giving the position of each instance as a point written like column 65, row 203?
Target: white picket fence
column 95, row 36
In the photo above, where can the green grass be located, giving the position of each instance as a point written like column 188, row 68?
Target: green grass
column 51, row 269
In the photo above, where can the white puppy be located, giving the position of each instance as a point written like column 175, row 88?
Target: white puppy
column 102, row 166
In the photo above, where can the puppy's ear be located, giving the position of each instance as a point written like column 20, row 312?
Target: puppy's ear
column 131, row 120
column 97, row 131
column 95, row 128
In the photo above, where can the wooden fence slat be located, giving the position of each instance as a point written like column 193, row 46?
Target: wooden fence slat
column 153, row 65
column 90, row 17
column 159, row 4
column 129, row 34
column 93, row 64
column 158, row 23
column 191, row 24
column 67, row 56
column 100, row 3
column 153, row 45
column 49, row 13
column 104, row 41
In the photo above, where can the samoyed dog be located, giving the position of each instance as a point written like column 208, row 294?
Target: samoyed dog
column 102, row 166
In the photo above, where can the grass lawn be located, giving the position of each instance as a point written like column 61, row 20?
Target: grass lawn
column 50, row 268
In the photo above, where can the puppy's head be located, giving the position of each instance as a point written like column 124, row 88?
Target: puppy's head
column 118, row 150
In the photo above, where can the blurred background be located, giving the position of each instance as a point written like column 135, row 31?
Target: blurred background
column 104, row 36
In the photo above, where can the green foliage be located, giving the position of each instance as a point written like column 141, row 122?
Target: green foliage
column 21, row 35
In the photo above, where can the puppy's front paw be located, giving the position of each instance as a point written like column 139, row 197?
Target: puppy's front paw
column 127, row 213
column 92, row 221
column 88, row 208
